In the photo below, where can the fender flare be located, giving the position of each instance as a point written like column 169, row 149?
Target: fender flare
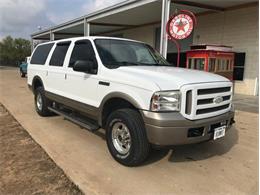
column 119, row 95
column 36, row 78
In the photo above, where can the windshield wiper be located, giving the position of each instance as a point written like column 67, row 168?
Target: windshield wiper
column 143, row 63
column 156, row 64
column 115, row 65
column 122, row 63
column 128, row 63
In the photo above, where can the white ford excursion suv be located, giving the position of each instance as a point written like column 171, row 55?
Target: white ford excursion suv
column 127, row 88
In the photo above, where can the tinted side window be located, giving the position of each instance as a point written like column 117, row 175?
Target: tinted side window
column 82, row 50
column 59, row 54
column 41, row 53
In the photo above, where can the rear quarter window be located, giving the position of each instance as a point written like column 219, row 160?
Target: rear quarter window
column 41, row 53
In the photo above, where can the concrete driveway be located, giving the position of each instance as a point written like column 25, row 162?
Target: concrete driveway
column 227, row 166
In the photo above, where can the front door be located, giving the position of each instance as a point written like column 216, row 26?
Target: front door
column 81, row 87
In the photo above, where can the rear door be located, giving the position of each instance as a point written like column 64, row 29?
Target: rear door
column 81, row 86
column 56, row 70
column 37, row 64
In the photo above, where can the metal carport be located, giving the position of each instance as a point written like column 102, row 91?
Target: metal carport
column 133, row 14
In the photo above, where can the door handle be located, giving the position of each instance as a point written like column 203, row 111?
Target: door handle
column 47, row 73
column 65, row 76
column 103, row 83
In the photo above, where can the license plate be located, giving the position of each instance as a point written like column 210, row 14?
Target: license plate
column 219, row 132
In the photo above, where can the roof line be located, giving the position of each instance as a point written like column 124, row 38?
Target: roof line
column 118, row 5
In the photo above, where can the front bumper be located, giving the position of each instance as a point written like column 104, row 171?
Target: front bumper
column 166, row 129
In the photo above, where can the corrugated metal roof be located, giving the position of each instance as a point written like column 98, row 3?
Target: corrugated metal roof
column 81, row 19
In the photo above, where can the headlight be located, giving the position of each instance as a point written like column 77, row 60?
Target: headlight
column 166, row 101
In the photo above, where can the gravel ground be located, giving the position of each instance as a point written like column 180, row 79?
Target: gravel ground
column 25, row 168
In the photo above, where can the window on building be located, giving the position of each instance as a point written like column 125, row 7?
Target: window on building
column 227, row 65
column 191, row 63
column 58, row 56
column 196, row 63
column 82, row 50
column 223, row 65
column 239, row 66
column 231, row 65
column 218, row 68
column 199, row 63
column 212, row 62
column 41, row 53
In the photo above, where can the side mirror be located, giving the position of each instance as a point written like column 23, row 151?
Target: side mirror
column 86, row 66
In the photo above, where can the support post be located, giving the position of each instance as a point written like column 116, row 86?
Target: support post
column 52, row 36
column 86, row 28
column 32, row 45
column 166, row 5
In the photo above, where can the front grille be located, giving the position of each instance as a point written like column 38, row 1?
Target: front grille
column 206, row 100
column 214, row 109
column 210, row 100
column 214, row 90
column 188, row 102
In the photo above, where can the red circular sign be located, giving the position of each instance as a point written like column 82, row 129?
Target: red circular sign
column 180, row 26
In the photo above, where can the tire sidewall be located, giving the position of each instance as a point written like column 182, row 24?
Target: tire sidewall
column 122, row 158
column 45, row 102
column 38, row 92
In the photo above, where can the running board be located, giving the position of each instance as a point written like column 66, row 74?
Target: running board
column 77, row 120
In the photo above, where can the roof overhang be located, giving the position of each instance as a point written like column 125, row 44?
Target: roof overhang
column 132, row 14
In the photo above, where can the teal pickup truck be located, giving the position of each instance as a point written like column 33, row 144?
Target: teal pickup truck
column 23, row 67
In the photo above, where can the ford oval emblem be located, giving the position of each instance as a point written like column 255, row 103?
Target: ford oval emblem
column 218, row 100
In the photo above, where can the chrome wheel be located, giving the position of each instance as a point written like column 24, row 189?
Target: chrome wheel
column 39, row 101
column 121, row 138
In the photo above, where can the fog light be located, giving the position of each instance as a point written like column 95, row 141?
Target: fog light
column 196, row 132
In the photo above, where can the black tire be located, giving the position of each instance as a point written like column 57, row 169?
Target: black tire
column 22, row 73
column 139, row 149
column 43, row 110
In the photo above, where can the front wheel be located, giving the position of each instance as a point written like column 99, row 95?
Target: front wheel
column 126, row 137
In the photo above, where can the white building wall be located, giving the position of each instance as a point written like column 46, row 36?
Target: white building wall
column 237, row 28
column 145, row 34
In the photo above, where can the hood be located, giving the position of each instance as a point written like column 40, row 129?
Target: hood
column 169, row 78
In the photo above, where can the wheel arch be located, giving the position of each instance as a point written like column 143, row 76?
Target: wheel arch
column 36, row 82
column 114, row 101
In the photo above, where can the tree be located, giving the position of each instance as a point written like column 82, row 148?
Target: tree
column 14, row 51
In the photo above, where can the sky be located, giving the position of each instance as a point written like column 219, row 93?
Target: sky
column 20, row 18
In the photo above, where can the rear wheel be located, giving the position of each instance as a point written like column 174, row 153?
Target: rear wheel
column 126, row 137
column 41, row 102
column 22, row 74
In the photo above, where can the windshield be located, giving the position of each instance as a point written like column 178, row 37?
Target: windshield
column 115, row 53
